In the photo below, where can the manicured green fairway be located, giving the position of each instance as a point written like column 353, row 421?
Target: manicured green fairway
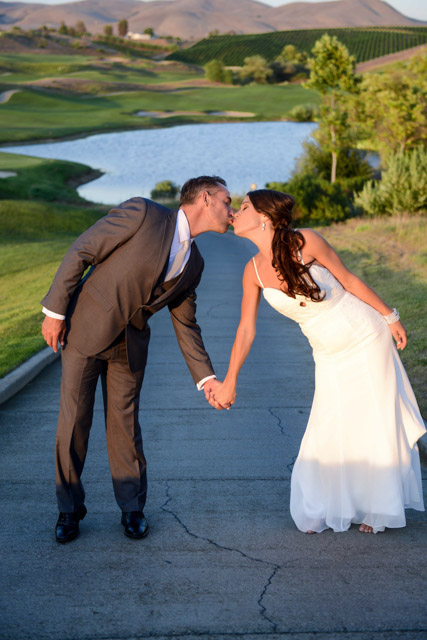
column 37, row 114
column 32, row 67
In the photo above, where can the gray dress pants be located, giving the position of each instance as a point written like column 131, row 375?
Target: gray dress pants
column 121, row 391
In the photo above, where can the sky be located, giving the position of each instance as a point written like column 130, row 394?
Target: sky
column 412, row 8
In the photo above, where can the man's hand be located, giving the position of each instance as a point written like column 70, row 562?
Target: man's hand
column 209, row 389
column 53, row 331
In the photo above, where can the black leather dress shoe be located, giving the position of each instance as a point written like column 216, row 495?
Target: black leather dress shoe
column 67, row 527
column 135, row 524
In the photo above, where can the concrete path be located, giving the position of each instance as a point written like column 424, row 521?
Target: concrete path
column 223, row 559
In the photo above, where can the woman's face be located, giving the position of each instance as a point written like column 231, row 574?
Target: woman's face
column 246, row 219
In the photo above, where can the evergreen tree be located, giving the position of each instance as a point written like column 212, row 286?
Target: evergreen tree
column 122, row 28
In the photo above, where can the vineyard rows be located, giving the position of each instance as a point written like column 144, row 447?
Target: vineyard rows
column 363, row 43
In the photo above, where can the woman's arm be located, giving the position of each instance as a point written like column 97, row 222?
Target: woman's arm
column 226, row 394
column 319, row 249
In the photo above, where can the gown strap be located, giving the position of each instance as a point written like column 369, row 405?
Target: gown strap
column 299, row 253
column 257, row 274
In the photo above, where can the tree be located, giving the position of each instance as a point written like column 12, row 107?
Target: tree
column 228, row 76
column 108, row 31
column 301, row 58
column 63, row 29
column 214, row 71
column 289, row 53
column 393, row 107
column 80, row 28
column 149, row 31
column 122, row 28
column 332, row 74
column 166, row 189
column 255, row 69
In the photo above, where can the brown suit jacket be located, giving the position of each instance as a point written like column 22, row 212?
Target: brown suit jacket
column 127, row 252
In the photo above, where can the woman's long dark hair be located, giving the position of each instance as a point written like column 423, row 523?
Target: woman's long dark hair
column 286, row 243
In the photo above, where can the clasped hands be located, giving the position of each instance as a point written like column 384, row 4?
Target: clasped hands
column 219, row 394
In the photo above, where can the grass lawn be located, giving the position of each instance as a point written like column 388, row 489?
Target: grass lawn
column 35, row 235
column 39, row 179
column 34, row 239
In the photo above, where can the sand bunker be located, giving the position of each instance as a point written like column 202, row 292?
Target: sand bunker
column 169, row 114
column 6, row 95
column 8, row 174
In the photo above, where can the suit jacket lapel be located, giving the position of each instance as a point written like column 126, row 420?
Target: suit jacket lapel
column 166, row 233
column 181, row 281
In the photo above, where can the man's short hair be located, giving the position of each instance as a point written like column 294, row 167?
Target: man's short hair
column 194, row 186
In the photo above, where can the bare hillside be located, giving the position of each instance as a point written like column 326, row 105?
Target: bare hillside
column 194, row 19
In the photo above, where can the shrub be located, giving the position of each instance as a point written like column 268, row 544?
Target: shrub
column 43, row 191
column 351, row 163
column 402, row 188
column 317, row 200
column 303, row 113
column 166, row 190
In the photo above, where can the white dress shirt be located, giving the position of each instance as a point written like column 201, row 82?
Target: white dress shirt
column 182, row 233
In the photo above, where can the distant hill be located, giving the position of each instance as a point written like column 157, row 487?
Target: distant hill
column 195, row 19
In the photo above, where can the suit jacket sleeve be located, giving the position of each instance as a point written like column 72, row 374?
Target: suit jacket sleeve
column 91, row 248
column 189, row 335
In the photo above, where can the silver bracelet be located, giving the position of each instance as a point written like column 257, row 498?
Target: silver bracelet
column 392, row 317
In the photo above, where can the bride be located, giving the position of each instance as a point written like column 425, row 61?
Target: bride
column 358, row 461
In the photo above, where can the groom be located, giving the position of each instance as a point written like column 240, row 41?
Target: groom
column 141, row 258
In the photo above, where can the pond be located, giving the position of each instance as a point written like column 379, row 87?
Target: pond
column 243, row 153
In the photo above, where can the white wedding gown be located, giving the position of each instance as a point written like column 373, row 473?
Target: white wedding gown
column 358, row 460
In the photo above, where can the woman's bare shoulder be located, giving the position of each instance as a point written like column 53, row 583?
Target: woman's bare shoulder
column 249, row 273
column 310, row 234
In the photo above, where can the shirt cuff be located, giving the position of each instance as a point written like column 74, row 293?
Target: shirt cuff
column 202, row 382
column 52, row 314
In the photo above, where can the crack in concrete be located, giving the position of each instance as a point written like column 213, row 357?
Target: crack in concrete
column 263, row 594
column 276, row 567
column 279, row 422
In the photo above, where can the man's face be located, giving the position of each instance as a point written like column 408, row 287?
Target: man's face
column 218, row 208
